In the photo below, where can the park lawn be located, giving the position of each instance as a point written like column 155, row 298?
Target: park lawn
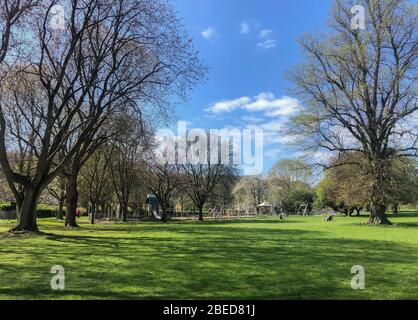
column 299, row 258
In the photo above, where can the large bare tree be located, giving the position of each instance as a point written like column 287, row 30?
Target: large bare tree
column 96, row 181
column 57, row 190
column 205, row 169
column 13, row 18
column 359, row 88
column 127, row 153
column 110, row 57
column 286, row 176
column 162, row 180
column 250, row 192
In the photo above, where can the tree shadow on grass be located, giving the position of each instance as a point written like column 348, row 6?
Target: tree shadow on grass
column 406, row 224
column 262, row 220
column 205, row 262
column 405, row 214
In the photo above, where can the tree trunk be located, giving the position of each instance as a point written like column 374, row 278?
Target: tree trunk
column 93, row 213
column 378, row 205
column 124, row 211
column 395, row 209
column 107, row 211
column 26, row 214
column 60, row 214
column 163, row 214
column 346, row 212
column 72, row 201
column 201, row 214
column 182, row 204
column 378, row 215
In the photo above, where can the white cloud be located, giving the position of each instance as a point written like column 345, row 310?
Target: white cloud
column 252, row 119
column 316, row 156
column 267, row 40
column 275, row 136
column 413, row 119
column 266, row 36
column 274, row 133
column 273, row 126
column 265, row 96
column 266, row 33
column 273, row 153
column 265, row 102
column 264, row 111
column 209, row 33
column 245, row 27
column 274, row 107
column 229, row 105
column 267, row 44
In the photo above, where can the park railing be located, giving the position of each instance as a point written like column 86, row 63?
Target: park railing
column 8, row 215
column 183, row 215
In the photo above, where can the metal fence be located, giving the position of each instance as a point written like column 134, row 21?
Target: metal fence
column 179, row 215
column 8, row 215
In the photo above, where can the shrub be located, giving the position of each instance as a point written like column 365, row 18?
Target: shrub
column 46, row 211
column 6, row 206
column 298, row 198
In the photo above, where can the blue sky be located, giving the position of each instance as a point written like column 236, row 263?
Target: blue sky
column 248, row 46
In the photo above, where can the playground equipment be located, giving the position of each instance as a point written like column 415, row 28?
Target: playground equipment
column 156, row 215
column 330, row 217
column 153, row 206
column 303, row 209
column 266, row 207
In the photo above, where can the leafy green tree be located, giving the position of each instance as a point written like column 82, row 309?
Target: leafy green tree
column 286, row 176
column 321, row 199
column 358, row 90
column 403, row 183
column 298, row 200
column 250, row 192
column 346, row 186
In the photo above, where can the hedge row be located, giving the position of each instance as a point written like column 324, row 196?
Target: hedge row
column 6, row 206
column 43, row 211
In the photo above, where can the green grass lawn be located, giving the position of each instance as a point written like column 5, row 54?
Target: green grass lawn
column 299, row 258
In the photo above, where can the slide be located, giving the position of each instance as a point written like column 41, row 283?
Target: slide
column 156, row 215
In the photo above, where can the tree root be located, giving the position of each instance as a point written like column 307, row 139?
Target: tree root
column 379, row 221
column 22, row 230
column 76, row 226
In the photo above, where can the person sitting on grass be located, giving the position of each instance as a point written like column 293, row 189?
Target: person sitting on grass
column 330, row 217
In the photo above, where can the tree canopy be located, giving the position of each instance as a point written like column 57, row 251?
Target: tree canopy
column 358, row 88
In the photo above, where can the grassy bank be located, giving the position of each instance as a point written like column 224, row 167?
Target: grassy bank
column 299, row 258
